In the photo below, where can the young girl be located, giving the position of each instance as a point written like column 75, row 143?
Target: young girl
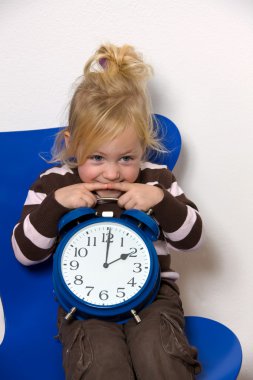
column 102, row 153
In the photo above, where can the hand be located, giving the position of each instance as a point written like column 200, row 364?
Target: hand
column 137, row 195
column 78, row 195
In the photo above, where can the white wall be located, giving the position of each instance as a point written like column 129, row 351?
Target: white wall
column 202, row 53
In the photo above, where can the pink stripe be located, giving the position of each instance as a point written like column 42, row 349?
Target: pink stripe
column 19, row 255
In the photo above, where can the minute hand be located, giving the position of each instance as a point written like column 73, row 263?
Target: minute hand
column 107, row 247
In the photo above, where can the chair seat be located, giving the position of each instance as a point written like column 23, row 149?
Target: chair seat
column 220, row 352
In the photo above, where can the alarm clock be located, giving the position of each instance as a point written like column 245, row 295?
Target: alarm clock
column 106, row 267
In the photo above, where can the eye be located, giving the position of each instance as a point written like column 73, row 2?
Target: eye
column 126, row 158
column 96, row 158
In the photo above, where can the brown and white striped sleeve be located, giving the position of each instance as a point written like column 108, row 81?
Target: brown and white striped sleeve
column 34, row 236
column 177, row 216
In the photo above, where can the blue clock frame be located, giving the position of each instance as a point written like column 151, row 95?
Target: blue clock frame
column 119, row 312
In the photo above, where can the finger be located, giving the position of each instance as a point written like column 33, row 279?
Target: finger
column 130, row 205
column 126, row 201
column 91, row 202
column 93, row 186
column 88, row 200
column 122, row 186
column 123, row 199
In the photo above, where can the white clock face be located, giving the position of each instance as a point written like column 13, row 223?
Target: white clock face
column 105, row 263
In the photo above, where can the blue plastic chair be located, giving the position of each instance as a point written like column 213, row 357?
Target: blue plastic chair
column 220, row 351
column 29, row 350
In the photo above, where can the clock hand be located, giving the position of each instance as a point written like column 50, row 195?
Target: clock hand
column 123, row 256
column 105, row 265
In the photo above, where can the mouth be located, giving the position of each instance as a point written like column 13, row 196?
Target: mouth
column 109, row 193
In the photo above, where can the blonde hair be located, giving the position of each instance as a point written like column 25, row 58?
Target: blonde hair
column 111, row 96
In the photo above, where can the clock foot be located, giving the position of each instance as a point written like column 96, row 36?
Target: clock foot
column 136, row 316
column 70, row 314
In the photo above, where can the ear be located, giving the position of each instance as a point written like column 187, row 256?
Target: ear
column 66, row 137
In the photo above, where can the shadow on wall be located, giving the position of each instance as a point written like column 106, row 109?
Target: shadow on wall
column 196, row 268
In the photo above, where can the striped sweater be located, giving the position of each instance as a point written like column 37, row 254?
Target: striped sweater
column 34, row 238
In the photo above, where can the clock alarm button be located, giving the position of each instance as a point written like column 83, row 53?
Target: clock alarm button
column 81, row 214
column 143, row 221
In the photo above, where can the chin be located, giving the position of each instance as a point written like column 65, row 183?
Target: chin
column 109, row 193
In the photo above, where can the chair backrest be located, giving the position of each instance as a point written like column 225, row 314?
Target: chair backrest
column 27, row 293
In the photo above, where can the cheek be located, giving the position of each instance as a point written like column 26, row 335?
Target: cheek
column 87, row 173
column 131, row 173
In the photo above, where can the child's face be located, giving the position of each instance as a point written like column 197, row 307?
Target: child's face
column 114, row 161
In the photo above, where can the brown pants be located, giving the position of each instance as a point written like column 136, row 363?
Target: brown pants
column 154, row 349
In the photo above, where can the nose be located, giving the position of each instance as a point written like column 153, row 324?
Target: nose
column 111, row 172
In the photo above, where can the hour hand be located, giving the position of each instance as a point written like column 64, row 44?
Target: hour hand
column 123, row 256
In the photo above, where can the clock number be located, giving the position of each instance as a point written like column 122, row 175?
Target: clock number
column 74, row 265
column 131, row 282
column 120, row 293
column 122, row 242
column 103, row 295
column 92, row 241
column 78, row 279
column 133, row 252
column 138, row 266
column 81, row 252
column 91, row 288
column 107, row 237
